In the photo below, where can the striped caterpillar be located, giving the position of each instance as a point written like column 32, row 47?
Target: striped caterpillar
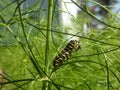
column 66, row 53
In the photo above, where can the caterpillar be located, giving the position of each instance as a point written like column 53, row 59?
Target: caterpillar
column 66, row 53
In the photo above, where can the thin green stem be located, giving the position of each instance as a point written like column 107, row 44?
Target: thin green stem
column 31, row 54
column 50, row 5
column 49, row 23
column 107, row 72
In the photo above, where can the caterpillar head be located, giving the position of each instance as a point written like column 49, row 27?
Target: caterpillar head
column 75, row 44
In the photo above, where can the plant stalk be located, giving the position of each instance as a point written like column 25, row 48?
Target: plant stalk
column 49, row 23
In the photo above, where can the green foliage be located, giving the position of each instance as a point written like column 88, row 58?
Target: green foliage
column 26, row 66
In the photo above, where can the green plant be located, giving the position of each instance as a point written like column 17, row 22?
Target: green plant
column 29, row 42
